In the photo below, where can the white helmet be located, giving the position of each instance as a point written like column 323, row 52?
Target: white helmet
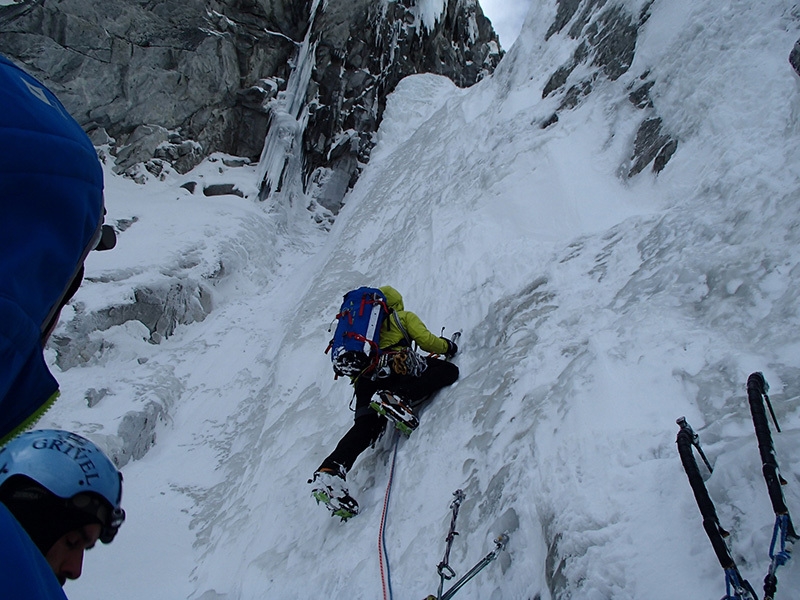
column 71, row 468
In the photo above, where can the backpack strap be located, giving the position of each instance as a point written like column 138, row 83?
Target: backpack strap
column 396, row 319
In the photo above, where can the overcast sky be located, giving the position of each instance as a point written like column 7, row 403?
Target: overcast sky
column 507, row 17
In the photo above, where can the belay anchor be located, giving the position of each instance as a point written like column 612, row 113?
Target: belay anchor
column 446, row 572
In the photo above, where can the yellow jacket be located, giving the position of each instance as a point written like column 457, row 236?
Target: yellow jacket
column 413, row 325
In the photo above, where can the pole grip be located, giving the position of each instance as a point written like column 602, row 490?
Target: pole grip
column 716, row 534
column 756, row 391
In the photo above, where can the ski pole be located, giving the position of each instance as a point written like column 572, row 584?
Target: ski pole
column 742, row 589
column 783, row 532
column 695, row 441
column 759, row 388
column 445, row 571
column 756, row 392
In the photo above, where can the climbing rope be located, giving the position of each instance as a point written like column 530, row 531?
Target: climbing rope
column 383, row 557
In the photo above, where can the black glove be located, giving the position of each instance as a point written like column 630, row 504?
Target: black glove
column 452, row 348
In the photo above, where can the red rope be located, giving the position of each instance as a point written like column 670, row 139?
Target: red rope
column 386, row 578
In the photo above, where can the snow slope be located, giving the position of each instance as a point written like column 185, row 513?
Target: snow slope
column 595, row 309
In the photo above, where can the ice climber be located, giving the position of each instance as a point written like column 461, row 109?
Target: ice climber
column 402, row 381
column 58, row 492
column 59, row 495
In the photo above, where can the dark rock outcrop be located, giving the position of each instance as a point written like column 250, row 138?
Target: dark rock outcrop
column 794, row 57
column 362, row 53
column 166, row 83
column 119, row 65
column 651, row 145
column 607, row 42
column 607, row 33
column 159, row 307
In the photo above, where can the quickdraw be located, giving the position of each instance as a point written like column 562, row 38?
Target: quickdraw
column 401, row 362
column 444, row 569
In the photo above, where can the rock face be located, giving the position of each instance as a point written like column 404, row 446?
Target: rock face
column 168, row 82
column 363, row 50
column 606, row 35
column 175, row 66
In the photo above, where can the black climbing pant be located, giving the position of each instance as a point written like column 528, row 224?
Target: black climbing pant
column 368, row 424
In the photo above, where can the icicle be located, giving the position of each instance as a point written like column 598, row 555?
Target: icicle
column 428, row 12
column 281, row 162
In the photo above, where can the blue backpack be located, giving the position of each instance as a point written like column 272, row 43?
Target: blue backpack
column 355, row 347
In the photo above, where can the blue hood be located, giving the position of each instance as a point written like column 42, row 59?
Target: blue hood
column 51, row 193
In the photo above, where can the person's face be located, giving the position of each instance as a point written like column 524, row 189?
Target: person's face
column 66, row 555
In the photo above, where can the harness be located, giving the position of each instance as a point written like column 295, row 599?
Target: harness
column 402, row 361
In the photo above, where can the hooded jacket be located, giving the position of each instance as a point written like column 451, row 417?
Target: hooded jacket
column 51, row 213
column 391, row 335
column 23, row 569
